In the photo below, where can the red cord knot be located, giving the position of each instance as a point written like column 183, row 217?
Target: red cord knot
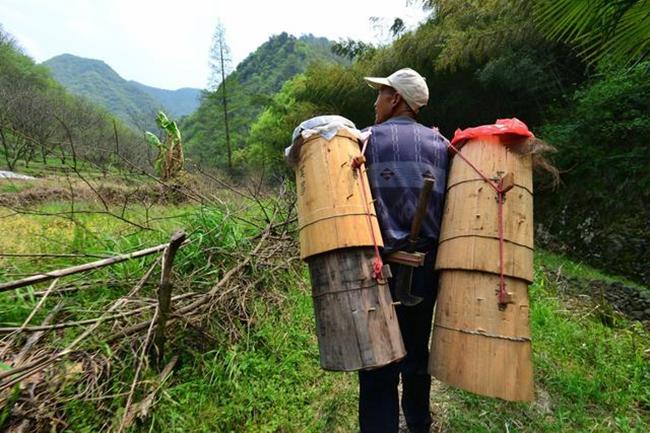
column 358, row 161
column 377, row 267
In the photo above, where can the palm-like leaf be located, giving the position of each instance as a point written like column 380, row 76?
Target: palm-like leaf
column 632, row 35
column 162, row 120
column 617, row 29
column 173, row 131
column 152, row 139
column 170, row 127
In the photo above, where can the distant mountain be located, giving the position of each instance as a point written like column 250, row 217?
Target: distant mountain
column 250, row 89
column 180, row 102
column 131, row 101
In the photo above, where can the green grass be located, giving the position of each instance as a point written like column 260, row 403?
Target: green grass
column 13, row 186
column 268, row 382
column 98, row 234
column 568, row 267
column 589, row 377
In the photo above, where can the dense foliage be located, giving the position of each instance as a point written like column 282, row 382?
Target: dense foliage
column 485, row 60
column 602, row 212
column 39, row 120
column 604, row 30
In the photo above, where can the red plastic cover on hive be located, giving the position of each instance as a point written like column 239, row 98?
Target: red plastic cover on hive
column 512, row 126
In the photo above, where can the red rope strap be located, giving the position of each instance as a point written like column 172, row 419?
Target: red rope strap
column 378, row 264
column 502, row 294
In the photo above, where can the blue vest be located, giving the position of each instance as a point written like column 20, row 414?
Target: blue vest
column 401, row 152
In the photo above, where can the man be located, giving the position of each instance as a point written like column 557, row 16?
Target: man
column 400, row 154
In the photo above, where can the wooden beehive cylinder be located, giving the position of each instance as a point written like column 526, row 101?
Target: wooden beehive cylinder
column 356, row 323
column 331, row 209
column 477, row 344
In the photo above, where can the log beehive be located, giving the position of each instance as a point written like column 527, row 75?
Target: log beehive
column 478, row 344
column 356, row 323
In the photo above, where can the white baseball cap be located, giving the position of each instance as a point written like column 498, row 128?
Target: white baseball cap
column 408, row 83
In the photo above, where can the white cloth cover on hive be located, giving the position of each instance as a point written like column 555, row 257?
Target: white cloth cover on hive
column 325, row 126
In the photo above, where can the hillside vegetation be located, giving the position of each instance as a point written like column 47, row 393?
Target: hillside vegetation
column 41, row 121
column 489, row 60
column 134, row 103
column 250, row 89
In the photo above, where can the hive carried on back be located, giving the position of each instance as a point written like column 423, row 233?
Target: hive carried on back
column 481, row 335
column 356, row 322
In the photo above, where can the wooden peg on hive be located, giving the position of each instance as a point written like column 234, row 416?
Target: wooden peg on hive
column 507, row 182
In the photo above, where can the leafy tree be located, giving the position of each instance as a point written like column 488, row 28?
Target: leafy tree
column 468, row 32
column 220, row 66
column 601, row 213
column 615, row 29
column 398, row 27
column 271, row 132
column 353, row 49
column 251, row 88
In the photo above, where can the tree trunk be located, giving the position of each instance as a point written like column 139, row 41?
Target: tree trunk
column 10, row 165
column 225, row 105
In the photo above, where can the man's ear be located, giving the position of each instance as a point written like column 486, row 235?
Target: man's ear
column 395, row 100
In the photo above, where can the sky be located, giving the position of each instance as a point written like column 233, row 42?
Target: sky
column 165, row 43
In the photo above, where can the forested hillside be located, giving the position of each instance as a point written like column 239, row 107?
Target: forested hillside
column 41, row 121
column 133, row 102
column 490, row 60
column 99, row 83
column 250, row 89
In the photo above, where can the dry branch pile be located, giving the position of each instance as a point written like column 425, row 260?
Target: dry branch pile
column 110, row 356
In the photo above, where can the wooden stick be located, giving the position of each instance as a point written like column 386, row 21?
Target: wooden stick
column 52, row 255
column 204, row 299
column 137, row 373
column 17, row 374
column 39, row 278
column 164, row 296
column 33, row 339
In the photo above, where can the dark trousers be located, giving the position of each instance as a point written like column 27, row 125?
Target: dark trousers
column 378, row 394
